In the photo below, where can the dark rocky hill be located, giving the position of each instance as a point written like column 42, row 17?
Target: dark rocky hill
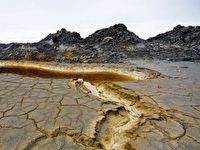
column 180, row 35
column 110, row 45
column 181, row 43
column 117, row 34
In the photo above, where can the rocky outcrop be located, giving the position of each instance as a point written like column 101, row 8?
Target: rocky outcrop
column 117, row 34
column 62, row 37
column 109, row 45
column 112, row 44
column 180, row 35
column 181, row 43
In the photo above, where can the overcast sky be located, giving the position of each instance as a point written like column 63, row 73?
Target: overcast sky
column 32, row 20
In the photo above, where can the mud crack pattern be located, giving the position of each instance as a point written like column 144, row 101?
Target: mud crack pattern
column 37, row 113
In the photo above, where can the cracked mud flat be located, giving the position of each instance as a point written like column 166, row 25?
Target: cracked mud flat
column 136, row 109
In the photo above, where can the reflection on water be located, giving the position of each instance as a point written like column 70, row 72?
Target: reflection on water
column 86, row 76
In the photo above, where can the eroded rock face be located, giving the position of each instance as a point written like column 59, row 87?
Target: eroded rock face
column 161, row 112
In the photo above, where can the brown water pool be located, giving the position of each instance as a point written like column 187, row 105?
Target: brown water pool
column 102, row 76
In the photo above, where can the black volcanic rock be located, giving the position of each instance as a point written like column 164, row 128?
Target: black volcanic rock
column 109, row 45
column 117, row 34
column 180, row 35
column 181, row 43
column 62, row 37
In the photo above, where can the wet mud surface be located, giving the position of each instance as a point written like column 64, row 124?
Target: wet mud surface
column 150, row 111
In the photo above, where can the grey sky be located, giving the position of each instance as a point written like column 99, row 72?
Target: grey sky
column 32, row 20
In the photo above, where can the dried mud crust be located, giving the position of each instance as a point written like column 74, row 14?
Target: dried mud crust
column 38, row 113
column 141, row 123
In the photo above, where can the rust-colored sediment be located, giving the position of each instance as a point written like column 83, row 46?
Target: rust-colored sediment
column 88, row 72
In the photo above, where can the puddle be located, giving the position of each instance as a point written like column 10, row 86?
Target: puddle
column 93, row 77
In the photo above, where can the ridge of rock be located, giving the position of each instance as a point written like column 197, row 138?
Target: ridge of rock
column 180, row 44
column 117, row 33
column 180, row 35
column 114, row 44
